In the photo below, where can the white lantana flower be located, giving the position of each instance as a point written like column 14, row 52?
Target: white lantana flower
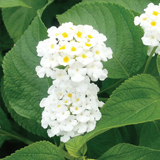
column 69, row 44
column 69, row 108
column 72, row 106
column 150, row 22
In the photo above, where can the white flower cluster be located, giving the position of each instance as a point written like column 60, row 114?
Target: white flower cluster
column 150, row 22
column 72, row 107
column 79, row 48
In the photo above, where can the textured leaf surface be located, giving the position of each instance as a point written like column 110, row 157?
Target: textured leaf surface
column 17, row 19
column 130, row 152
column 37, row 151
column 101, row 143
column 12, row 3
column 116, row 23
column 4, row 122
column 135, row 101
column 28, row 124
column 22, row 87
column 158, row 63
column 150, row 135
column 135, row 5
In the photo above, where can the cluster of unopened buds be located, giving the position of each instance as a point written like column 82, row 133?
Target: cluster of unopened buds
column 72, row 57
column 150, row 22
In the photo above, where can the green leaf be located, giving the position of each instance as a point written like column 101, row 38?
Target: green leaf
column 135, row 5
column 37, row 151
column 28, row 124
column 130, row 152
column 17, row 19
column 12, row 3
column 5, row 41
column 4, row 122
column 101, row 143
column 158, row 63
column 116, row 22
column 79, row 153
column 150, row 135
column 23, row 88
column 135, row 101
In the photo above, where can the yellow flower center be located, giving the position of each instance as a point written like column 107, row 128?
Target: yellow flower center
column 144, row 18
column 52, row 46
column 76, row 108
column 58, row 105
column 56, row 34
column 84, row 56
column 89, row 36
column 97, row 52
column 79, row 34
column 69, row 95
column 63, row 47
column 66, row 59
column 153, row 23
column 66, row 102
column 65, row 35
column 155, row 13
column 73, row 49
column 88, row 44
column 77, row 99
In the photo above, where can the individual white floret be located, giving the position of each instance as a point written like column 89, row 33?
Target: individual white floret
column 74, row 48
column 95, row 72
column 77, row 109
column 77, row 72
column 50, row 60
column 85, row 58
column 65, row 31
column 42, row 71
column 53, row 32
column 101, row 52
column 83, row 116
column 150, row 39
column 62, row 113
column 65, row 60
column 71, row 122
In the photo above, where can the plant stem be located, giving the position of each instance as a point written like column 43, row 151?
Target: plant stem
column 112, row 86
column 66, row 155
column 15, row 136
column 149, row 59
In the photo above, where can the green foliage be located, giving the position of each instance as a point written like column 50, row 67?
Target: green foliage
column 21, row 84
column 12, row 3
column 135, row 101
column 116, row 23
column 131, row 113
column 150, row 135
column 17, row 19
column 37, row 151
column 130, row 152
column 135, row 5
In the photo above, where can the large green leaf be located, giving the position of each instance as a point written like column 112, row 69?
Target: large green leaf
column 101, row 143
column 150, row 135
column 130, row 152
column 17, row 19
column 116, row 22
column 158, row 63
column 12, row 3
column 4, row 122
column 135, row 5
column 28, row 124
column 37, row 151
column 135, row 101
column 23, row 88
